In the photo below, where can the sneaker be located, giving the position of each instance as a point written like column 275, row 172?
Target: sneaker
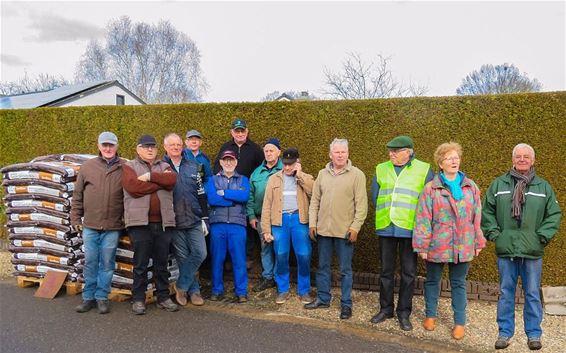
column 534, row 344
column 85, row 306
column 242, row 299
column 502, row 342
column 282, row 298
column 306, row 298
column 196, row 299
column 180, row 296
column 138, row 308
column 263, row 285
column 103, row 306
column 168, row 305
column 216, row 297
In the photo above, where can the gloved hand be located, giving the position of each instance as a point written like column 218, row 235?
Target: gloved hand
column 220, row 192
column 205, row 226
column 312, row 233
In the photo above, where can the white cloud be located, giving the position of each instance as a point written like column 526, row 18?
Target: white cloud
column 49, row 27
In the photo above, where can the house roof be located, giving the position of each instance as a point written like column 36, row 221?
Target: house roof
column 58, row 96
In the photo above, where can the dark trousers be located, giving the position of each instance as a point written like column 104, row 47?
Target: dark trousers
column 150, row 241
column 389, row 247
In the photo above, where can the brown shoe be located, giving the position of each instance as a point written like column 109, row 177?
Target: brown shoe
column 458, row 332
column 429, row 323
column 180, row 296
column 196, row 299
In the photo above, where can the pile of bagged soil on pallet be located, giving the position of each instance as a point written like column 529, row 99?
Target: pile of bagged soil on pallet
column 37, row 197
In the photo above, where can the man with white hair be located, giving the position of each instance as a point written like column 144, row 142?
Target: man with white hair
column 521, row 215
column 337, row 211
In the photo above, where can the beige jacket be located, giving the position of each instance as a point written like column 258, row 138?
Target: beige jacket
column 338, row 202
column 271, row 212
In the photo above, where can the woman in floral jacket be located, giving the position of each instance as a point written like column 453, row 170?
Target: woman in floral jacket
column 448, row 232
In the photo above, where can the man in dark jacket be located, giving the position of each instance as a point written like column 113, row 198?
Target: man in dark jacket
column 521, row 215
column 191, row 215
column 249, row 156
column 148, row 209
column 97, row 209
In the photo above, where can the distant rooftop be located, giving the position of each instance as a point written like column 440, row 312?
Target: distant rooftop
column 56, row 96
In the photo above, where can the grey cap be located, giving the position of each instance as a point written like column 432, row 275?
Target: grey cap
column 107, row 137
column 193, row 133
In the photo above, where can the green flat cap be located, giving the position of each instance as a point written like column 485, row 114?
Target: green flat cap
column 400, row 142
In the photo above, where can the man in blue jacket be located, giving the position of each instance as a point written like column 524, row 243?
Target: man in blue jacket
column 227, row 193
column 191, row 215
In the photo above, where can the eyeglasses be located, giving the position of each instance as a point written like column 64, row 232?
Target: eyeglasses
column 148, row 147
column 228, row 160
column 452, row 159
column 397, row 150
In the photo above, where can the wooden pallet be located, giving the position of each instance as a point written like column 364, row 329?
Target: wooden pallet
column 123, row 295
column 72, row 288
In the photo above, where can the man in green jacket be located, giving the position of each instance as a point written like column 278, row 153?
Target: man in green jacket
column 258, row 180
column 521, row 215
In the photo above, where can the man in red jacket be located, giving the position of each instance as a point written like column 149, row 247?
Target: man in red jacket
column 148, row 209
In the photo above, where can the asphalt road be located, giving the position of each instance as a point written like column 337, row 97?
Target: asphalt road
column 29, row 324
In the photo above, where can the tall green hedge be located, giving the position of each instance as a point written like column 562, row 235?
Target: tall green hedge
column 486, row 126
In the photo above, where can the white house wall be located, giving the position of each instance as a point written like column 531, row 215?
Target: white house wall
column 106, row 96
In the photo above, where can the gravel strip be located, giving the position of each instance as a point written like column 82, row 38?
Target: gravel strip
column 481, row 329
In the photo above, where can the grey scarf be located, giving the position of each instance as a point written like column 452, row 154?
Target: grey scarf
column 521, row 182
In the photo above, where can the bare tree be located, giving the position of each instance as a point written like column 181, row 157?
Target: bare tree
column 361, row 80
column 157, row 62
column 27, row 84
column 293, row 95
column 497, row 79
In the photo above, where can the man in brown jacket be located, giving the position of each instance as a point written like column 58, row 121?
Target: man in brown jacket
column 148, row 209
column 337, row 211
column 97, row 209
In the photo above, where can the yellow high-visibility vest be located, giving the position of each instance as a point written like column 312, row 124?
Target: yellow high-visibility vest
column 399, row 194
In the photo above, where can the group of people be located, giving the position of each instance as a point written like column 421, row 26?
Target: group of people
column 255, row 198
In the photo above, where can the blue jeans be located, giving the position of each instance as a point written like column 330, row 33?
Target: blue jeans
column 267, row 255
column 190, row 251
column 457, row 274
column 345, row 251
column 292, row 232
column 100, row 262
column 231, row 238
column 530, row 272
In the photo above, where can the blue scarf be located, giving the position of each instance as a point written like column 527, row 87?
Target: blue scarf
column 454, row 186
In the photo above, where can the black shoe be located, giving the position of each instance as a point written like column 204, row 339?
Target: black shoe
column 85, row 306
column 103, row 306
column 534, row 344
column 502, row 342
column 380, row 317
column 405, row 324
column 316, row 304
column 263, row 285
column 345, row 313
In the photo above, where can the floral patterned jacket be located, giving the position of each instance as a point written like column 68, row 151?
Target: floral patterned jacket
column 448, row 230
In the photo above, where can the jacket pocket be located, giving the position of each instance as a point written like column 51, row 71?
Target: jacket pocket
column 504, row 243
column 531, row 245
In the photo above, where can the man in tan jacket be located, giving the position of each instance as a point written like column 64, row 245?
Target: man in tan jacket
column 337, row 211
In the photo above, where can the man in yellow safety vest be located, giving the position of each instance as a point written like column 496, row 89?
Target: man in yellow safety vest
column 395, row 192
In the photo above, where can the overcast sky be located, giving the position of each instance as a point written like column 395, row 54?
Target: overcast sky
column 252, row 48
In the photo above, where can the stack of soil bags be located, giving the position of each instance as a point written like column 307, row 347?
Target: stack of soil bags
column 37, row 196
